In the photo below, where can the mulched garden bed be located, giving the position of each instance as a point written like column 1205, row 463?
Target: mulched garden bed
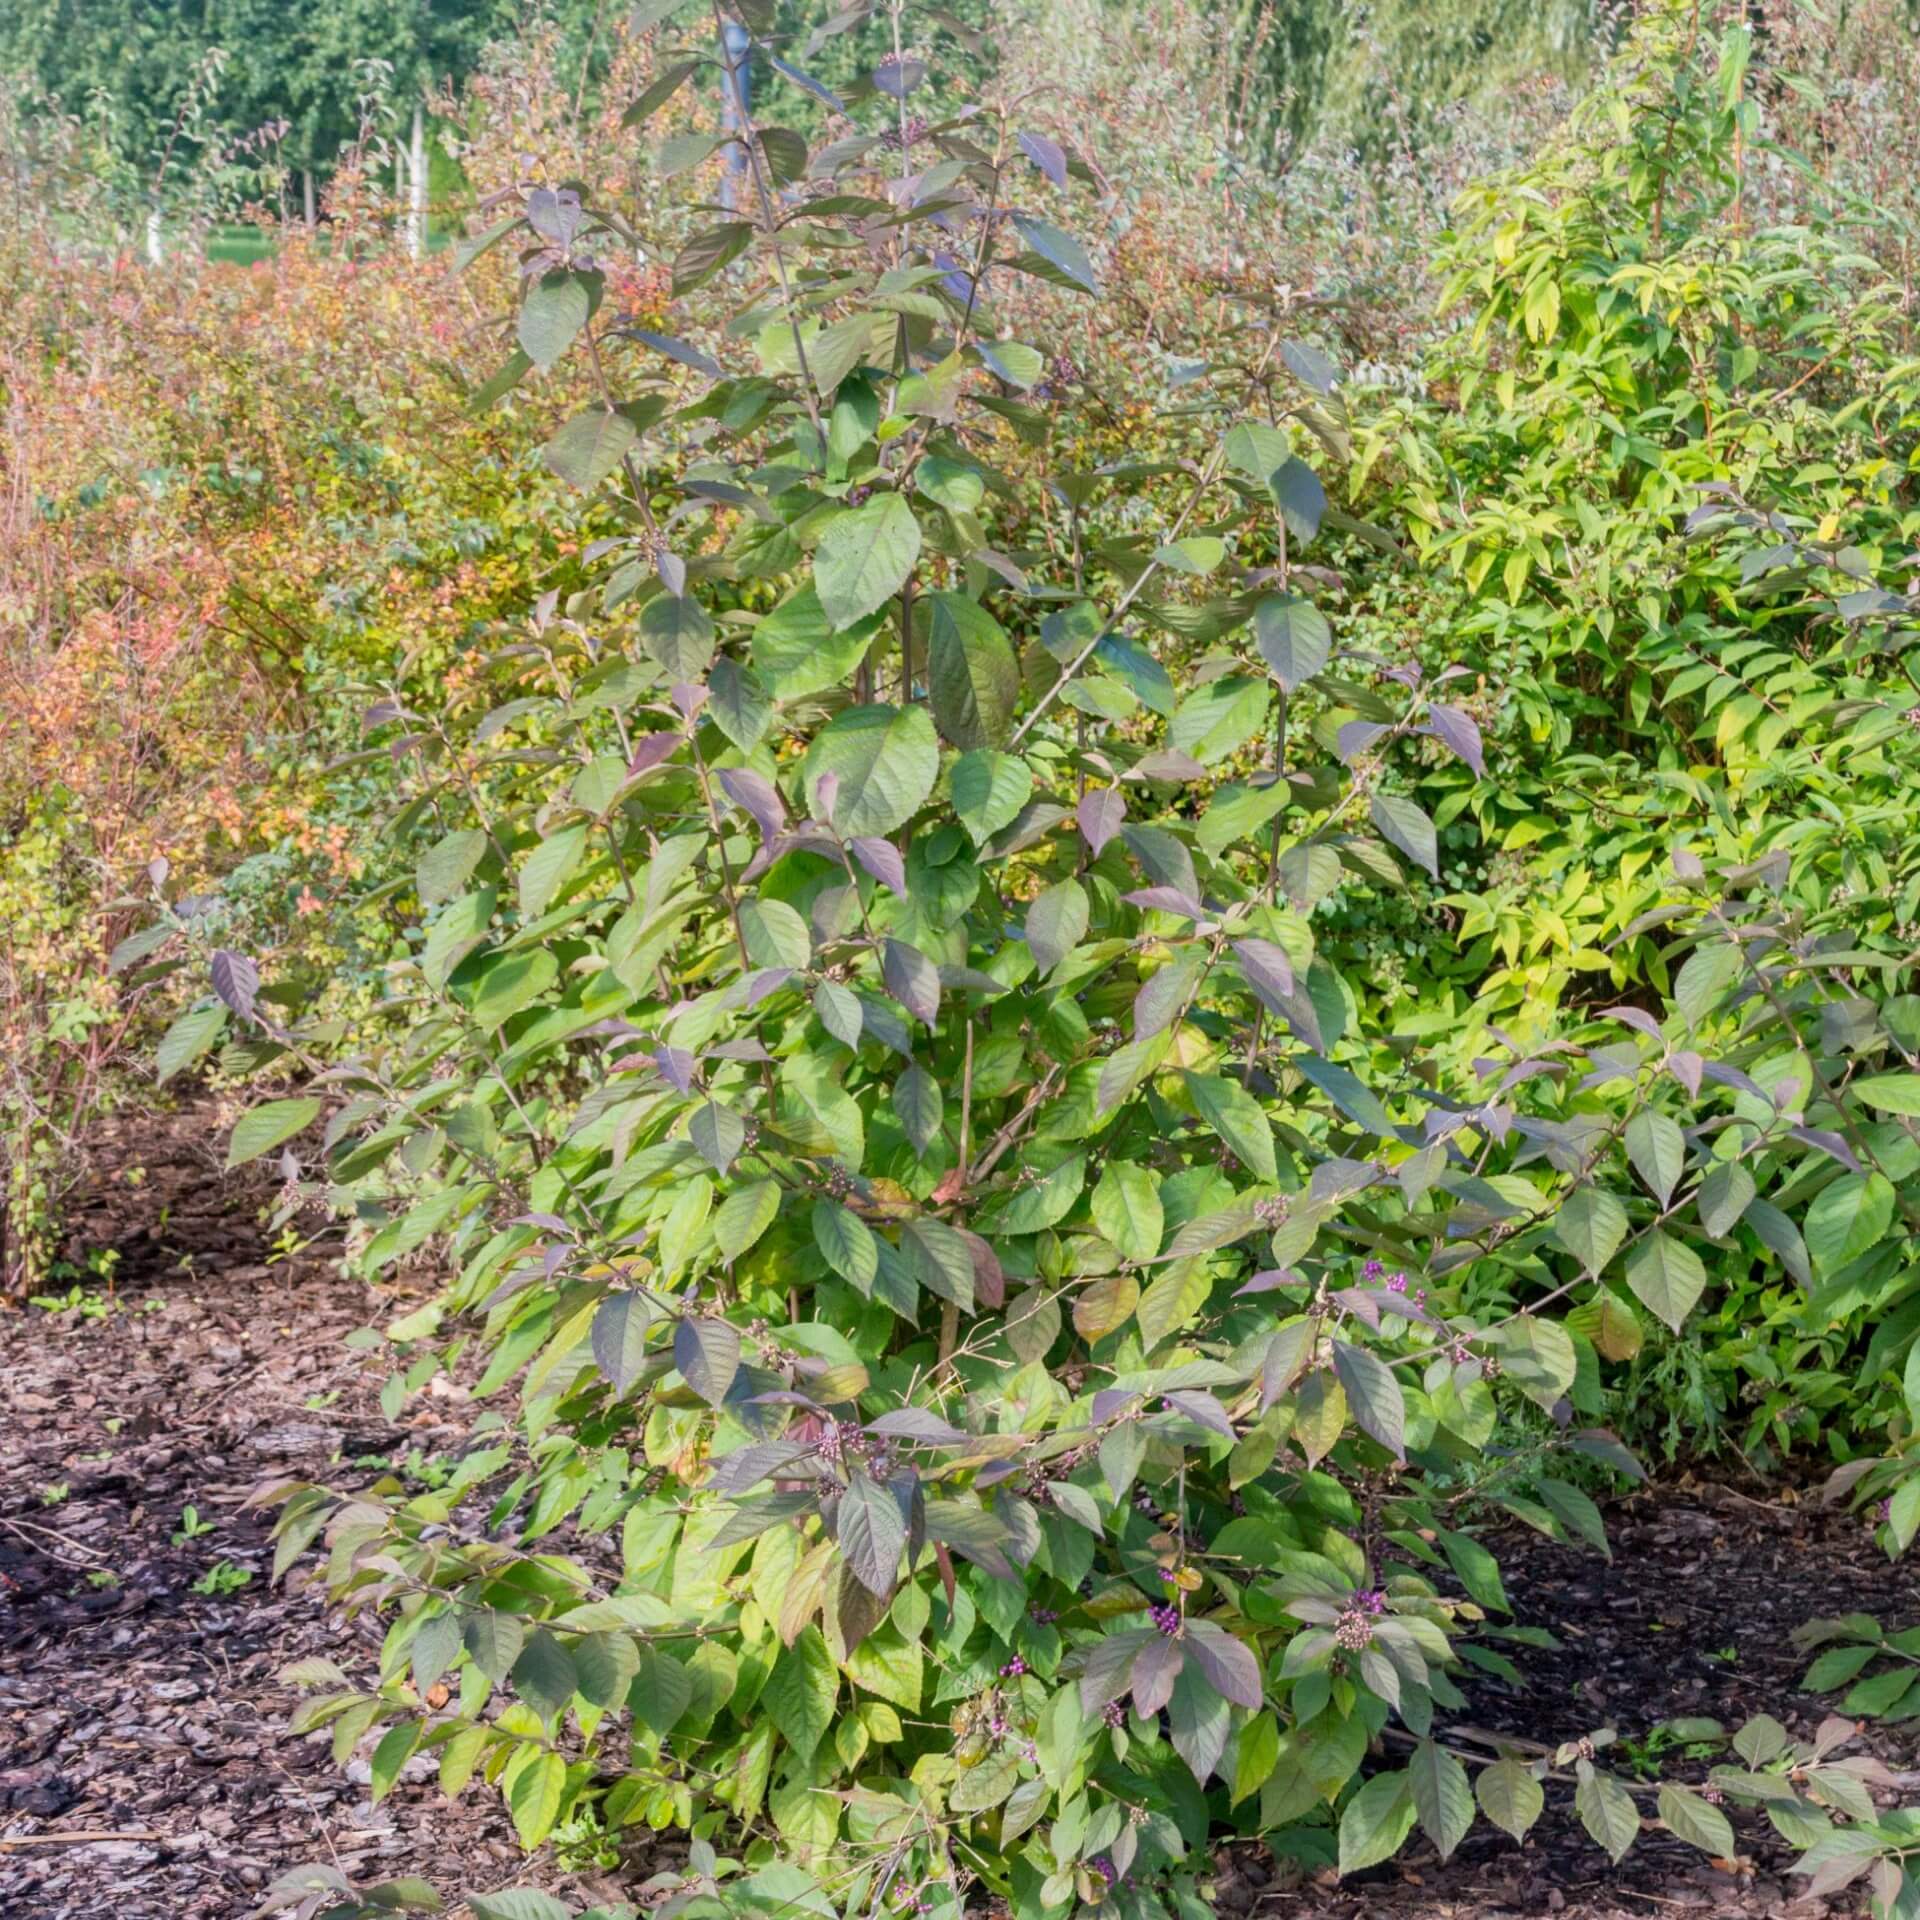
column 145, row 1770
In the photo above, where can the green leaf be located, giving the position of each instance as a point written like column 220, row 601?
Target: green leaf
column 1056, row 923
column 1707, row 974
column 1724, row 1196
column 544, row 1675
column 1539, row 1359
column 1257, row 450
column 1293, row 637
column 988, row 790
column 797, row 653
column 187, row 1039
column 1302, row 498
column 493, row 1641
column 846, row 1243
column 871, row 1533
column 447, row 865
column 1059, row 250
column 1045, row 1203
column 619, row 1337
column 1442, row 1796
column 1606, row 1810
column 677, row 631
column 1237, row 1117
column 533, row 1796
column 1510, row 1797
column 1127, row 1210
column 511, row 983
column 801, row 1692
column 885, row 759
column 1377, row 1820
column 718, row 1134
column 743, row 1216
column 864, row 558
column 973, row 680
column 555, row 309
column 917, row 1102
column 1667, row 1276
column 1404, row 824
column 1696, row 1821
column 1373, row 1396
column 1591, row 1226
column 1892, row 1093
column 549, row 867
column 1658, row 1150
column 1847, row 1218
column 590, row 447
column 517, row 1903
column 260, row 1129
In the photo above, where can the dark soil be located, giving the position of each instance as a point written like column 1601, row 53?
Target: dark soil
column 132, row 1705
column 145, row 1767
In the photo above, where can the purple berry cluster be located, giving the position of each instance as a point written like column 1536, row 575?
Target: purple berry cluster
column 1114, row 1713
column 1013, row 1669
column 1166, row 1618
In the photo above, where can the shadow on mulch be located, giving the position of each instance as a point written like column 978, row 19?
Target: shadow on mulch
column 138, row 1706
column 1692, row 1617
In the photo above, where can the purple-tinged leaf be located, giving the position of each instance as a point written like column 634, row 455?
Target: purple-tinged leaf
column 897, row 78
column 688, row 697
column 755, row 794
column 675, row 349
column 707, row 1352
column 620, row 1337
column 676, row 1066
column 1201, row 1408
column 1155, row 1668
column 746, row 1467
column 1635, row 1017
column 672, row 571
column 807, row 83
column 1269, row 972
column 237, row 981
column 826, row 793
column 654, row 748
column 1727, row 1076
column 1310, row 366
column 1103, row 1677
column 1373, row 1392
column 1687, row 1067
column 1102, row 810
column 912, row 979
column 1227, row 1661
column 872, row 1532
column 1045, row 154
column 1110, row 1402
column 881, row 858
column 1357, row 736
column 1458, row 729
column 1404, row 824
column 1833, row 1145
column 1165, row 900
column 917, row 1423
column 1273, row 1280
column 1167, row 764
column 768, row 981
column 748, row 1049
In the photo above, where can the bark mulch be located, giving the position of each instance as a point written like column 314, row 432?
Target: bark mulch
column 145, row 1767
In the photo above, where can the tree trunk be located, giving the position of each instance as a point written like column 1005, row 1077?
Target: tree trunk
column 417, row 183
column 306, row 194
column 156, row 252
